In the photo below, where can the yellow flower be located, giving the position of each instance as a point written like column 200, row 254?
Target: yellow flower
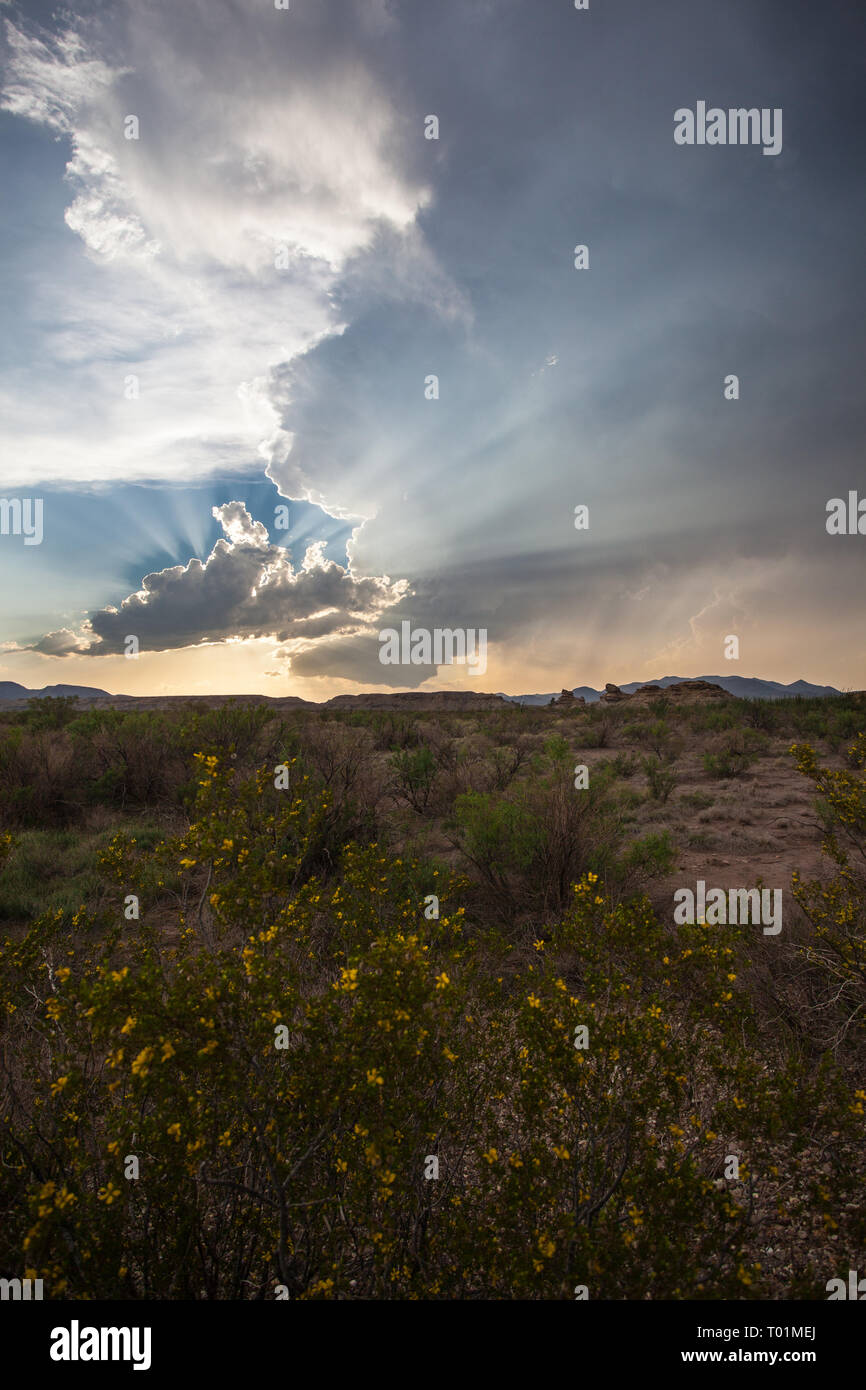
column 108, row 1194
column 142, row 1062
column 128, row 1025
column 167, row 1051
column 174, row 1130
column 57, row 1086
column 534, row 1001
column 442, row 981
column 491, row 1155
column 375, row 1077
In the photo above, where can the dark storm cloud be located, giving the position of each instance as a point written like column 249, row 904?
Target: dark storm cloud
column 703, row 262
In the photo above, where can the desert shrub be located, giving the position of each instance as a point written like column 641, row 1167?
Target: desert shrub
column 715, row 719
column 735, row 753
column 628, row 801
column 658, row 737
column 414, row 774
column 225, row 729
column 128, row 758
column 392, row 730
column 50, row 712
column 496, row 835
column 696, row 801
column 661, row 778
column 810, row 718
column 507, row 722
column 625, row 764
column 635, row 731
column 556, row 750
column 529, row 847
column 54, row 868
column 596, row 733
column 763, row 714
column 843, row 725
column 470, row 746
column 835, row 950
column 507, row 760
column 724, row 764
column 285, row 1074
column 699, row 839
column 650, row 856
column 40, row 778
column 339, row 754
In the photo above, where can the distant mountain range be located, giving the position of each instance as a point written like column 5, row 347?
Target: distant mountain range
column 744, row 687
column 11, row 690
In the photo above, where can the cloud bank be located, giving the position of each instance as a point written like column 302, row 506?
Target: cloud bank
column 247, row 588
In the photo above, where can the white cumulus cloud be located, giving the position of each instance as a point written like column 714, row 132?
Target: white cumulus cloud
column 246, row 588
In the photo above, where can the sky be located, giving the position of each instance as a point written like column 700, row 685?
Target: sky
column 232, row 262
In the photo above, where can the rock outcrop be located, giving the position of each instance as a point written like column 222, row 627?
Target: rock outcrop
column 568, row 699
column 682, row 690
column 611, row 695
